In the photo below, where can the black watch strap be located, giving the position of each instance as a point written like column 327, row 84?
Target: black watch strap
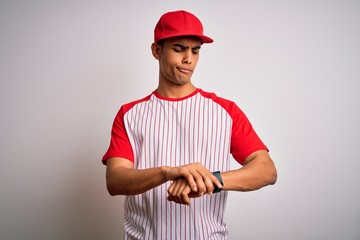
column 218, row 176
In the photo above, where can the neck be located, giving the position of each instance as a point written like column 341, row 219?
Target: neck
column 176, row 91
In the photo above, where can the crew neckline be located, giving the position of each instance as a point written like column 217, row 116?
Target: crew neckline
column 155, row 92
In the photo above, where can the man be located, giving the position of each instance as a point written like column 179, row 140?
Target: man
column 170, row 151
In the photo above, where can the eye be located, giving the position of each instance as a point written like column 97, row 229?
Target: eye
column 196, row 51
column 179, row 49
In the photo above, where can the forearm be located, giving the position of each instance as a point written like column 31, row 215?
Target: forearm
column 124, row 181
column 258, row 172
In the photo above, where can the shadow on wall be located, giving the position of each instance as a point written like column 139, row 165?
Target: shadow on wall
column 88, row 211
column 70, row 203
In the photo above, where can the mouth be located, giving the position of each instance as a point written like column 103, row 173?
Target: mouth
column 184, row 70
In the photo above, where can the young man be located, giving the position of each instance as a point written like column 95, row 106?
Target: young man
column 170, row 151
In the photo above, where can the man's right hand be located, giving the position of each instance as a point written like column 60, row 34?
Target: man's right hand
column 199, row 178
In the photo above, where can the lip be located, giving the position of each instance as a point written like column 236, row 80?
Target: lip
column 184, row 70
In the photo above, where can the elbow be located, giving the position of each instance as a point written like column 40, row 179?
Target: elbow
column 111, row 188
column 266, row 178
column 270, row 174
column 262, row 181
column 115, row 188
column 114, row 183
column 110, row 183
column 272, row 177
column 112, row 192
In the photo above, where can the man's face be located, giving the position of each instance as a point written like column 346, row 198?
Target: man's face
column 178, row 58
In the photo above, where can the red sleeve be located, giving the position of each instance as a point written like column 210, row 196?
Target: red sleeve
column 120, row 145
column 244, row 139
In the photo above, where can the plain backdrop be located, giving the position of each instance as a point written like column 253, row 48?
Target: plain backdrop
column 67, row 66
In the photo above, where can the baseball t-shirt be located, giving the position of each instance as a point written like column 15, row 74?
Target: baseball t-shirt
column 158, row 131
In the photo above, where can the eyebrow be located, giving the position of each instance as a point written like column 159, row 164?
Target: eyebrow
column 186, row 47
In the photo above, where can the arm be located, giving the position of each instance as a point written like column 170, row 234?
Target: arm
column 122, row 179
column 258, row 171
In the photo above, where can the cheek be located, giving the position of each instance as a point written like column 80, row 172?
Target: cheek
column 167, row 69
column 168, row 65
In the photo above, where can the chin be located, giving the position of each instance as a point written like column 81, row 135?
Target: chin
column 182, row 83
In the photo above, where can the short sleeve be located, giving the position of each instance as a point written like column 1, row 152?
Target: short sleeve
column 244, row 139
column 120, row 145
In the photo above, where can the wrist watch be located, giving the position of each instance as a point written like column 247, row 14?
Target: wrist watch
column 218, row 176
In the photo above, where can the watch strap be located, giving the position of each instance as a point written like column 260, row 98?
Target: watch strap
column 217, row 174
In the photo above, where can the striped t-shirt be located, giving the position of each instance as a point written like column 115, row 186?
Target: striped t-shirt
column 157, row 131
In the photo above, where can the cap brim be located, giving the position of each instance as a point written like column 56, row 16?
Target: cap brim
column 203, row 38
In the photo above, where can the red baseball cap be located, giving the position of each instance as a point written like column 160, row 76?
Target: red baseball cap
column 179, row 23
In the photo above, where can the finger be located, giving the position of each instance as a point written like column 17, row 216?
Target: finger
column 205, row 183
column 191, row 181
column 185, row 195
column 182, row 171
column 176, row 186
column 171, row 187
column 210, row 179
column 173, row 190
column 194, row 195
column 182, row 191
column 215, row 180
column 206, row 174
column 170, row 192
column 182, row 184
column 209, row 185
column 201, row 188
column 170, row 198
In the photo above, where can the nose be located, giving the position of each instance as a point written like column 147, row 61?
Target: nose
column 188, row 57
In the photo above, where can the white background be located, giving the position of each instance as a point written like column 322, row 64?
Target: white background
column 67, row 66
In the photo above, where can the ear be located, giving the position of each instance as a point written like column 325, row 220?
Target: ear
column 155, row 49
